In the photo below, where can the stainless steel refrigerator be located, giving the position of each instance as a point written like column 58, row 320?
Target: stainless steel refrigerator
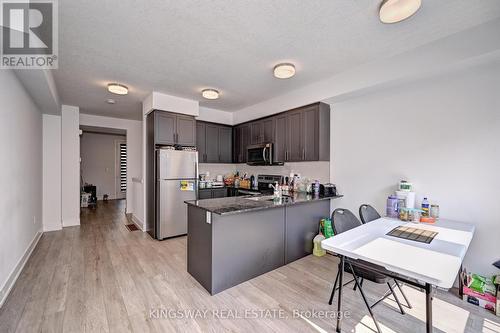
column 177, row 181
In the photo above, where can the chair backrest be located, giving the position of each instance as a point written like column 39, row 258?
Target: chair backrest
column 367, row 213
column 344, row 220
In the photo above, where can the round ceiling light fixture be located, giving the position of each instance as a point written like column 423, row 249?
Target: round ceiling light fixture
column 284, row 70
column 394, row 11
column 210, row 93
column 117, row 88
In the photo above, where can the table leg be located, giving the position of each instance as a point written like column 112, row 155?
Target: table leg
column 339, row 303
column 460, row 282
column 428, row 307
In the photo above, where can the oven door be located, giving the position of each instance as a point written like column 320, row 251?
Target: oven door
column 260, row 154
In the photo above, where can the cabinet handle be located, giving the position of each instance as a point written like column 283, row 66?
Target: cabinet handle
column 303, row 154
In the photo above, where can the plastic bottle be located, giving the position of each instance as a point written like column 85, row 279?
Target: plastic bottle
column 425, row 207
column 318, row 251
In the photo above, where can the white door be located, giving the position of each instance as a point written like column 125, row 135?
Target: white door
column 120, row 169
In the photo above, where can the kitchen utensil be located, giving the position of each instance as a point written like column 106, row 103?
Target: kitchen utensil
column 328, row 190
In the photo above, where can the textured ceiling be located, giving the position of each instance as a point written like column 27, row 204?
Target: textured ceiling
column 180, row 47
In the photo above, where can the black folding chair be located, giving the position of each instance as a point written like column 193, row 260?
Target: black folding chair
column 344, row 220
column 367, row 213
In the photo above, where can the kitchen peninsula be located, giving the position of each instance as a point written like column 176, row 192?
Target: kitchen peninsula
column 232, row 240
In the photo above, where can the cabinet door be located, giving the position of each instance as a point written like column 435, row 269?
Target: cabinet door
column 212, row 143
column 225, row 144
column 201, row 141
column 310, row 119
column 256, row 132
column 245, row 141
column 280, row 137
column 186, row 130
column 237, row 158
column 268, row 130
column 204, row 194
column 165, row 128
column 219, row 193
column 295, row 136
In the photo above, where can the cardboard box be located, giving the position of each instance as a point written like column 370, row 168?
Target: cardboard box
column 486, row 300
column 497, row 311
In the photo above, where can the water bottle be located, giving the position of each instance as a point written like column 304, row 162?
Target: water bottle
column 425, row 208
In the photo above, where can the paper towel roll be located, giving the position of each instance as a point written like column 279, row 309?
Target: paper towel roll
column 409, row 198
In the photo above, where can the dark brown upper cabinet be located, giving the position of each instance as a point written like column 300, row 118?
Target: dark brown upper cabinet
column 201, row 130
column 186, row 130
column 280, row 138
column 303, row 134
column 256, row 132
column 268, row 126
column 242, row 138
column 214, row 143
column 294, row 136
column 262, row 131
column 172, row 128
column 225, row 144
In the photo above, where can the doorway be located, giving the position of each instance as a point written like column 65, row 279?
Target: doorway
column 120, row 169
column 103, row 153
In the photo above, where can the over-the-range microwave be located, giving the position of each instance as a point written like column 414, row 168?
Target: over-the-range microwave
column 261, row 154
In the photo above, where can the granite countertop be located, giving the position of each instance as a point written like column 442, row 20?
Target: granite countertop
column 237, row 205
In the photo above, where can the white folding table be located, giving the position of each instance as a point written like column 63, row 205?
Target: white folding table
column 418, row 264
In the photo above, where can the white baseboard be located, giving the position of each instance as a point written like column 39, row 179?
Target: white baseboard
column 6, row 289
column 71, row 222
column 138, row 223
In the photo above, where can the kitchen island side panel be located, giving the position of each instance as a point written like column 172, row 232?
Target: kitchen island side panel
column 199, row 250
column 302, row 224
column 246, row 245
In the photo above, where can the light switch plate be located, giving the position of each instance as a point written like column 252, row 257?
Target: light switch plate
column 209, row 218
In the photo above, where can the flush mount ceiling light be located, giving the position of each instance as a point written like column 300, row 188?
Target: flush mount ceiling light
column 284, row 71
column 393, row 11
column 117, row 88
column 210, row 93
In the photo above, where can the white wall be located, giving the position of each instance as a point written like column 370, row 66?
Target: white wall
column 443, row 135
column 159, row 101
column 457, row 50
column 70, row 165
column 99, row 161
column 20, row 176
column 215, row 116
column 51, row 173
column 135, row 190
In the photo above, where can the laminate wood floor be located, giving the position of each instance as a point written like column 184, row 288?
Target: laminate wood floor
column 100, row 277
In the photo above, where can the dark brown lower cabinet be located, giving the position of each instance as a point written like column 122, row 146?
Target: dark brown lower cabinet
column 211, row 193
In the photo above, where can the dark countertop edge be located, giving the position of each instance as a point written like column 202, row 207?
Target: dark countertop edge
column 241, row 211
